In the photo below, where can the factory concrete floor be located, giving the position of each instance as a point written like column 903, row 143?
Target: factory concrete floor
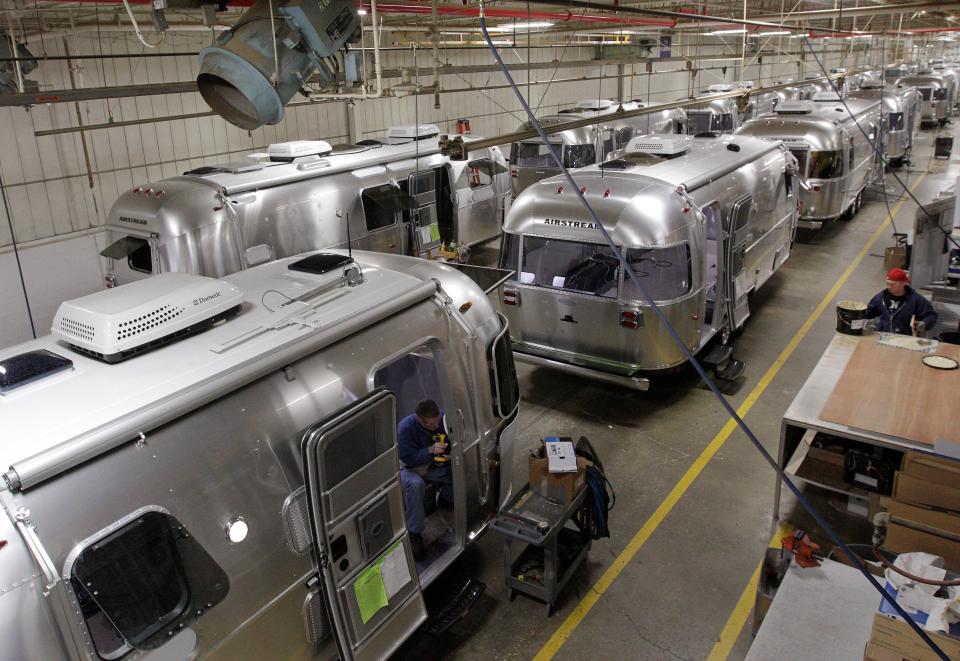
column 694, row 503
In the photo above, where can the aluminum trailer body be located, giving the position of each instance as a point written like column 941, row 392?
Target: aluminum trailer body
column 706, row 219
column 221, row 497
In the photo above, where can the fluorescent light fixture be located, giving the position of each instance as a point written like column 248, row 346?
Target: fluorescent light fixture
column 800, row 36
column 771, row 34
column 738, row 31
column 510, row 27
column 361, row 12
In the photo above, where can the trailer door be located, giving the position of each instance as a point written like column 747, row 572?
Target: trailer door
column 361, row 546
column 425, row 221
column 737, row 227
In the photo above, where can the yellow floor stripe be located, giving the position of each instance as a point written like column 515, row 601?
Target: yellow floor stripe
column 573, row 620
column 738, row 618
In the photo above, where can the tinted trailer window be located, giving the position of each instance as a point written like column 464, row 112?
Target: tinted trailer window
column 586, row 268
column 532, row 154
column 665, row 273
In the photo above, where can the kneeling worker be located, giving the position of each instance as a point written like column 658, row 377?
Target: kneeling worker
column 424, row 448
column 900, row 309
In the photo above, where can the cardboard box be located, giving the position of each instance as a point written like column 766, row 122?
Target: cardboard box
column 562, row 487
column 917, row 491
column 893, row 639
column 894, row 258
column 917, row 616
column 933, row 469
column 905, row 539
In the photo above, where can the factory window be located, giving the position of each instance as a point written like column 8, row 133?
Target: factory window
column 895, row 121
column 139, row 584
column 587, row 268
column 506, row 389
column 579, row 156
column 665, row 273
column 532, row 154
column 825, row 164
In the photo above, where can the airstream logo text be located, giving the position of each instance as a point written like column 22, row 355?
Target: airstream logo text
column 204, row 299
column 135, row 221
column 579, row 224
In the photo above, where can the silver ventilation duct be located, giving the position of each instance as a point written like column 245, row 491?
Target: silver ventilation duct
column 260, row 63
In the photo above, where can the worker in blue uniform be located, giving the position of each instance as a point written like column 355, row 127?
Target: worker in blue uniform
column 900, row 309
column 424, row 449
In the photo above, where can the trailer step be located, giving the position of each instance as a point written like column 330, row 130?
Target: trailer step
column 446, row 615
column 733, row 370
column 718, row 356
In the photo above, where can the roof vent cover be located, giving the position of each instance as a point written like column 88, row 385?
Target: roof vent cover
column 119, row 323
column 400, row 134
column 667, row 144
column 595, row 104
column 826, row 96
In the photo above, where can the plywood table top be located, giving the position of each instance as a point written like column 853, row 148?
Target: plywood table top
column 890, row 391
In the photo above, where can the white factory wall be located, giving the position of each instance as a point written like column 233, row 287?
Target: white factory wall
column 53, row 194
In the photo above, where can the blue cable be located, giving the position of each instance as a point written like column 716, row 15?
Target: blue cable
column 854, row 559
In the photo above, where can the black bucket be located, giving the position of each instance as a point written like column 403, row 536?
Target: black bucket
column 950, row 337
column 851, row 317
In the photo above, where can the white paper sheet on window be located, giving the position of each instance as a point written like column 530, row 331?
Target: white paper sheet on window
column 526, row 277
column 558, row 280
column 394, row 571
column 424, row 235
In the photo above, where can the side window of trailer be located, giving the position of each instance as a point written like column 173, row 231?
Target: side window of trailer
column 506, row 388
column 139, row 584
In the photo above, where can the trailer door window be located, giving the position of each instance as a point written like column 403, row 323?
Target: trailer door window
column 665, row 273
column 506, row 388
column 722, row 122
column 509, row 251
column 579, row 156
column 895, row 121
column 924, row 93
column 135, row 250
column 699, row 122
column 825, row 164
column 801, row 156
column 141, row 583
column 382, row 204
column 940, row 94
column 478, row 173
column 532, row 154
column 587, row 268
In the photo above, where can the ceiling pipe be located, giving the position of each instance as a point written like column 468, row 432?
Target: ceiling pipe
column 493, row 12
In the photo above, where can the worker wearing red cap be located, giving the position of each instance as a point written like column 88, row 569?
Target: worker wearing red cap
column 900, row 309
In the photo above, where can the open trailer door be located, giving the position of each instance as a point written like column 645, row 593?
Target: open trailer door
column 736, row 230
column 361, row 546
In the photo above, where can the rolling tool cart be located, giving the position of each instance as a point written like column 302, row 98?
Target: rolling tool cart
column 552, row 549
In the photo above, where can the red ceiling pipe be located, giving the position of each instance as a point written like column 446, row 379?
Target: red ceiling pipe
column 472, row 12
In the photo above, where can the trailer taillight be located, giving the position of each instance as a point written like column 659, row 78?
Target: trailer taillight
column 630, row 318
column 511, row 297
column 514, row 172
column 816, row 189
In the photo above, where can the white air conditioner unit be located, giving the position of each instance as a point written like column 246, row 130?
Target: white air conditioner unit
column 288, row 151
column 794, row 107
column 400, row 134
column 720, row 87
column 119, row 323
column 666, row 144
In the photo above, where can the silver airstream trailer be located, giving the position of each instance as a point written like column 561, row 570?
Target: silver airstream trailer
column 714, row 115
column 835, row 160
column 234, row 493
column 397, row 194
column 901, row 112
column 704, row 221
column 758, row 103
column 952, row 79
column 934, row 94
column 787, row 93
column 530, row 160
